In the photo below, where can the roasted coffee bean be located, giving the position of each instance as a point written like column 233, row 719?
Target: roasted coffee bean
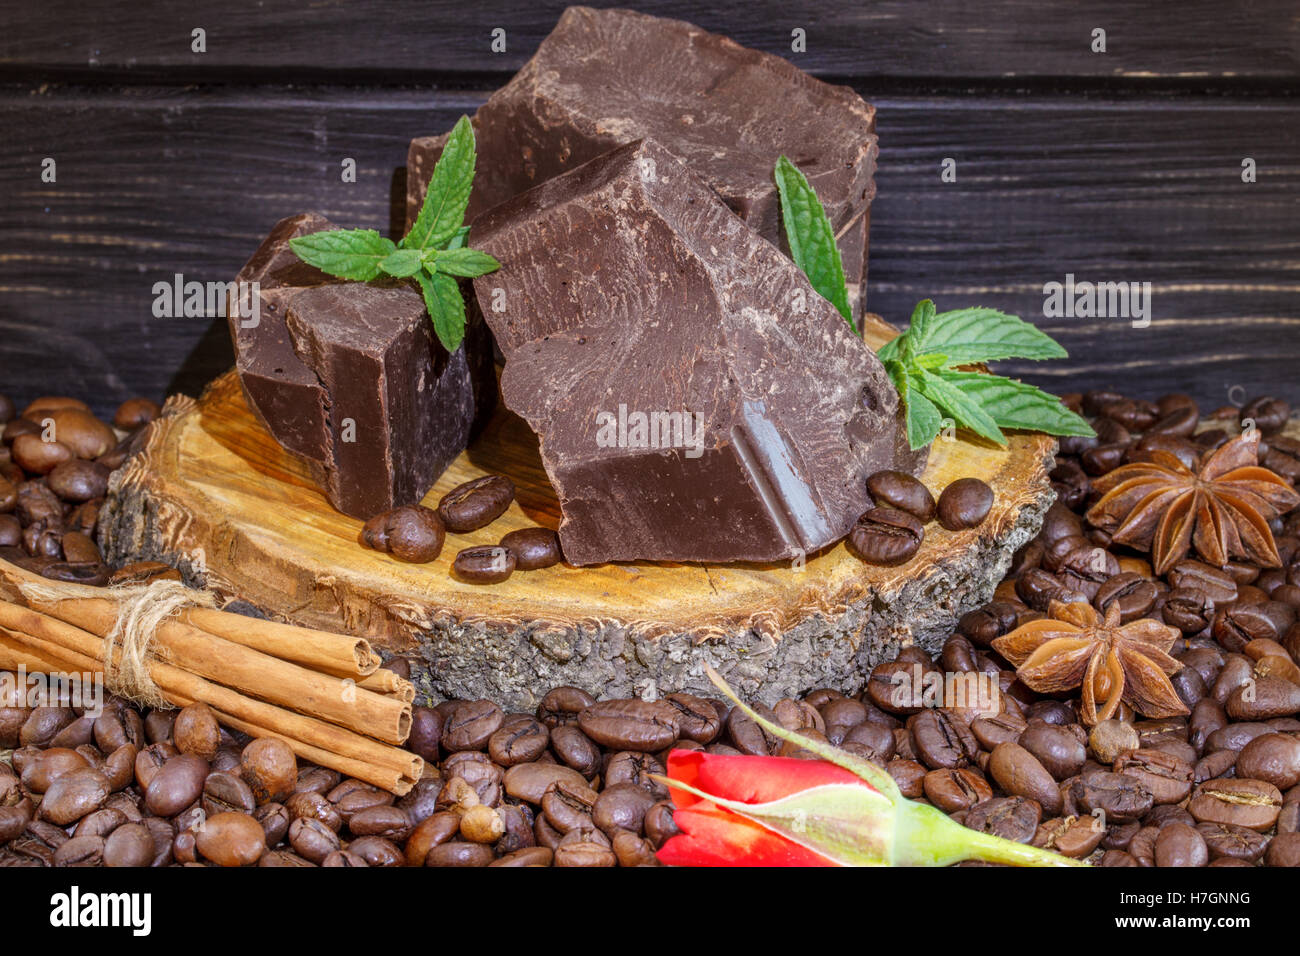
column 575, row 749
column 275, row 820
column 902, row 492
column 410, row 533
column 533, row 548
column 226, row 793
column 1272, row 758
column 872, row 740
column 941, row 741
column 1071, row 836
column 965, row 503
column 1261, row 698
column 1020, row 774
column 639, row 768
column 1135, row 595
column 81, row 851
column 984, row 624
column 1168, row 778
column 470, row 725
column 459, row 854
column 177, row 785
column 433, row 831
column 231, row 839
column 46, row 766
column 1058, row 750
column 196, row 731
column 270, row 769
column 377, row 851
column 996, row 729
column 1268, row 414
column 1235, row 736
column 909, row 775
column 1039, row 589
column 621, row 807
column 520, row 739
column 530, row 781
column 135, row 413
column 1240, row 623
column 1121, row 798
column 426, row 733
column 130, row 845
column 697, row 718
column 956, row 789
column 1012, row 818
column 389, row 822
column 561, row 705
column 1215, row 584
column 74, row 795
column 11, row 529
column 886, row 689
column 1283, row 850
column 38, row 456
column 78, row 480
column 568, row 806
column 312, row 839
column 646, row 726
column 353, row 796
column 1189, row 609
column 886, row 537
column 1232, row 841
column 484, row 564
column 1248, row 803
column 1218, row 763
column 150, row 760
column 476, row 503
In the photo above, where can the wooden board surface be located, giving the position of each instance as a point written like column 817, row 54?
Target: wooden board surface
column 926, row 39
column 155, row 181
column 214, row 494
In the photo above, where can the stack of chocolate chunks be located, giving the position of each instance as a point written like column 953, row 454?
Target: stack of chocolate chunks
column 625, row 184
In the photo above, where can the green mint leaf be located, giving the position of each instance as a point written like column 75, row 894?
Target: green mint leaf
column 443, row 212
column 1014, row 404
column 922, row 317
column 923, row 420
column 932, row 361
column 446, row 308
column 467, row 263
column 968, row 336
column 460, row 239
column 403, row 263
column 891, row 349
column 811, row 238
column 346, row 253
column 965, row 410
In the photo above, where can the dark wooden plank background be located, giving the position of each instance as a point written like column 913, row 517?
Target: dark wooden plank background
column 1116, row 166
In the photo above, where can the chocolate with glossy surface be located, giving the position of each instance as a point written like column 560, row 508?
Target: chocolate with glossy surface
column 628, row 288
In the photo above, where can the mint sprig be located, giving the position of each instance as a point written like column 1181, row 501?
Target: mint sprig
column 433, row 252
column 811, row 238
column 922, row 363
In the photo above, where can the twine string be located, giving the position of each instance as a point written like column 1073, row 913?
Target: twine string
column 141, row 610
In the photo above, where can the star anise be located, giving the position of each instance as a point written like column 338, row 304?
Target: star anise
column 1222, row 510
column 1075, row 646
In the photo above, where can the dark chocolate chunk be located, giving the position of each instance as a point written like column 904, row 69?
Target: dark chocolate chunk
column 398, row 408
column 604, row 78
column 695, row 398
column 282, row 390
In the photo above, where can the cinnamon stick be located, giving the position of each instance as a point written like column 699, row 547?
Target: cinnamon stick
column 259, row 675
column 54, row 645
column 333, row 654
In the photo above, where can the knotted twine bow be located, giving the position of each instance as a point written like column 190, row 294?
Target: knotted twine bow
column 141, row 611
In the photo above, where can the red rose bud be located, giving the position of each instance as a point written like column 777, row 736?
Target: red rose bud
column 845, row 811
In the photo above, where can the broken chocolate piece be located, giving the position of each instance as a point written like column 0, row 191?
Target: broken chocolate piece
column 281, row 390
column 398, row 409
column 695, row 399
column 604, row 78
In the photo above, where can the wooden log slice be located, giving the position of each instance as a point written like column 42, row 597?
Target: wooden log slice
column 213, row 494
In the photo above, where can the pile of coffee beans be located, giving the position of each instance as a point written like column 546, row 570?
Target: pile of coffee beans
column 55, row 461
column 572, row 783
column 416, row 533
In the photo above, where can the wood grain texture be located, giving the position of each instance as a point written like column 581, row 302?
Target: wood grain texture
column 152, row 182
column 211, row 491
column 1200, row 41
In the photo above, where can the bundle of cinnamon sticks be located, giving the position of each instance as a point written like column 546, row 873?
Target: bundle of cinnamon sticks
column 322, row 693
